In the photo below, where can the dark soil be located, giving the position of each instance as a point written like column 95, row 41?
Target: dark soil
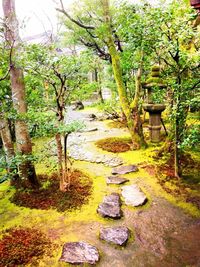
column 115, row 144
column 20, row 246
column 49, row 195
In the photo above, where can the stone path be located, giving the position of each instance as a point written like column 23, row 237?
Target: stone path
column 125, row 169
column 117, row 235
column 80, row 152
column 133, row 195
column 116, row 180
column 110, row 207
column 82, row 252
column 81, row 145
column 155, row 239
column 79, row 253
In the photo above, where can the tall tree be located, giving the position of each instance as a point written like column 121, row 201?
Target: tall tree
column 62, row 75
column 23, row 141
column 102, row 38
column 117, row 70
column 178, row 50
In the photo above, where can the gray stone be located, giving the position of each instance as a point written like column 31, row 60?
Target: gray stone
column 88, row 130
column 78, row 105
column 110, row 207
column 117, row 235
column 133, row 195
column 80, row 153
column 116, row 180
column 92, row 116
column 79, row 253
column 125, row 169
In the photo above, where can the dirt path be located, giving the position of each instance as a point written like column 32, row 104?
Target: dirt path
column 164, row 235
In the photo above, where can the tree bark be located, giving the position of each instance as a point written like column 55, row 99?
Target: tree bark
column 8, row 148
column 98, row 81
column 23, row 141
column 7, row 140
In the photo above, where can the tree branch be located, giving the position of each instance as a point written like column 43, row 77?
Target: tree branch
column 62, row 10
column 195, row 85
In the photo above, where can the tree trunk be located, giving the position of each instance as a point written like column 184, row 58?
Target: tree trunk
column 98, row 81
column 24, row 146
column 135, row 108
column 116, row 66
column 7, row 140
column 8, row 148
column 61, row 170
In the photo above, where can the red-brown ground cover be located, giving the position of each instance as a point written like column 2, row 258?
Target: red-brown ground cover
column 50, row 196
column 19, row 246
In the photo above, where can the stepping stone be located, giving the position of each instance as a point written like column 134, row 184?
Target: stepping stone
column 110, row 207
column 133, row 195
column 116, row 180
column 79, row 253
column 125, row 169
column 117, row 235
column 90, row 130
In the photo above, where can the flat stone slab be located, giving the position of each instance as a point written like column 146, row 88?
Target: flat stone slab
column 133, row 195
column 125, row 169
column 79, row 253
column 116, row 180
column 87, row 130
column 110, row 207
column 116, row 235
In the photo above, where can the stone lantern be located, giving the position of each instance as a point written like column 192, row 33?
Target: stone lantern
column 154, row 109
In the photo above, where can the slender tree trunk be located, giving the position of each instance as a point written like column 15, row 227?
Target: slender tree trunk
column 135, row 108
column 98, row 81
column 176, row 155
column 23, row 140
column 60, row 160
column 8, row 148
column 116, row 65
column 7, row 140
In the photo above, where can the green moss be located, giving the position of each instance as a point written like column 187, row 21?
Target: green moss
column 156, row 68
column 155, row 74
column 156, row 80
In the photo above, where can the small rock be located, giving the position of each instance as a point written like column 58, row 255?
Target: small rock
column 133, row 195
column 116, row 180
column 78, row 105
column 117, row 235
column 79, row 253
column 92, row 116
column 125, row 169
column 110, row 207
